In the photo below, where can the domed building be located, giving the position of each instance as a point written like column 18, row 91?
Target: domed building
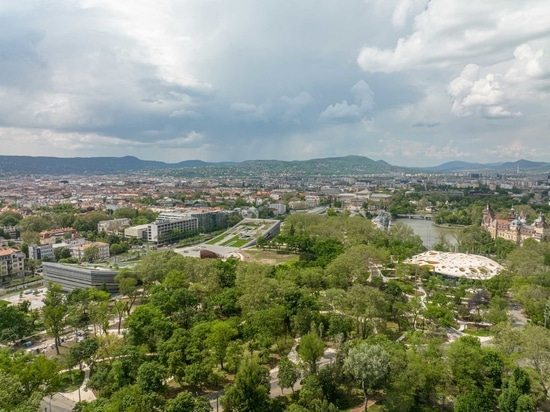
column 456, row 265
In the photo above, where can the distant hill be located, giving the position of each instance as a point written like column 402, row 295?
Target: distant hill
column 348, row 165
column 331, row 166
column 457, row 166
column 84, row 165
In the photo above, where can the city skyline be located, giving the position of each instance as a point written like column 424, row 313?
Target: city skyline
column 415, row 83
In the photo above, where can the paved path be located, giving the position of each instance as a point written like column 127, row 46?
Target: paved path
column 81, row 393
column 275, row 389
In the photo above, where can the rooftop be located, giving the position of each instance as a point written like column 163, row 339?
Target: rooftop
column 457, row 264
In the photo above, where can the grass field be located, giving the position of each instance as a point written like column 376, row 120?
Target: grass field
column 216, row 240
column 235, row 241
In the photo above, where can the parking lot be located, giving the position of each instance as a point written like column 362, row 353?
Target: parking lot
column 34, row 296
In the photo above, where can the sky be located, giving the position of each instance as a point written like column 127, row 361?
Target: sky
column 411, row 82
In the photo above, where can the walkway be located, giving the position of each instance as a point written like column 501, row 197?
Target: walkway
column 275, row 391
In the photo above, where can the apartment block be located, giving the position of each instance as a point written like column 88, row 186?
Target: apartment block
column 12, row 262
column 162, row 230
column 79, row 251
column 39, row 252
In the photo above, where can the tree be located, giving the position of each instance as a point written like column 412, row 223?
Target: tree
column 466, row 360
column 474, row 401
column 99, row 309
column 185, row 402
column 536, row 349
column 128, row 286
column 91, row 254
column 121, row 307
column 25, row 379
column 54, row 312
column 151, row 377
column 219, row 338
column 61, row 253
column 10, row 218
column 82, row 352
column 515, row 393
column 311, row 348
column 15, row 323
column 419, row 377
column 234, row 356
column 250, row 393
column 475, row 239
column 288, row 373
column 148, row 326
column 369, row 364
column 35, row 224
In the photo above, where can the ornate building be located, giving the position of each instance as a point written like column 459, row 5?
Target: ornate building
column 515, row 227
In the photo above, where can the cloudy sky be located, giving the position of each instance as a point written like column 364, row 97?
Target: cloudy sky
column 413, row 82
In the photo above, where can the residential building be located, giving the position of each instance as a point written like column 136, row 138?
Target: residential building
column 278, row 208
column 113, row 226
column 10, row 231
column 164, row 230
column 79, row 251
column 52, row 236
column 139, row 232
column 41, row 252
column 208, row 220
column 12, row 262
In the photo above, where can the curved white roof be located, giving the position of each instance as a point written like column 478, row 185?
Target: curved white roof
column 457, row 264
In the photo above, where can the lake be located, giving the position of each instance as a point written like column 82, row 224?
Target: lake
column 428, row 232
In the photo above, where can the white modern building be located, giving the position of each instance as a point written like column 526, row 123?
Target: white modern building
column 163, row 230
column 139, row 232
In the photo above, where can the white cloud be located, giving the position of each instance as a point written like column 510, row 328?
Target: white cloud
column 447, row 32
column 175, row 80
column 410, row 149
column 494, row 94
column 294, row 106
column 344, row 111
column 404, row 10
column 514, row 150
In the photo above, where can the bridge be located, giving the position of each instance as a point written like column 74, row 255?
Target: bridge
column 418, row 217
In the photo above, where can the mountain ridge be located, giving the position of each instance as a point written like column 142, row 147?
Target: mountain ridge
column 350, row 165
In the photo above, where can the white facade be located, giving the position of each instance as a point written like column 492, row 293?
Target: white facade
column 161, row 230
column 113, row 226
column 280, row 208
column 139, row 232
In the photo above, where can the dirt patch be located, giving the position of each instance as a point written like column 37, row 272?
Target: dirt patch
column 270, row 257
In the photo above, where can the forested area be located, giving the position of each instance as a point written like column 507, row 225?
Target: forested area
column 192, row 327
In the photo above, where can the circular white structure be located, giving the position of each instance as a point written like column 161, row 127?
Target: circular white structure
column 459, row 265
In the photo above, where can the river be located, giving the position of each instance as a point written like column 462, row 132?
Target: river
column 428, row 232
